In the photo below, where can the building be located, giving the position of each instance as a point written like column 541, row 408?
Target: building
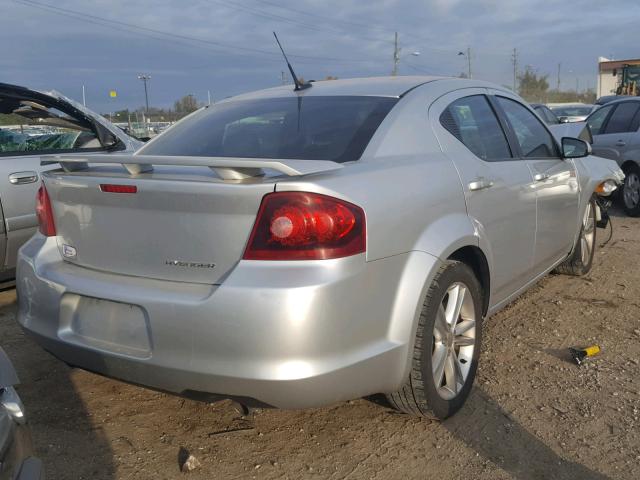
column 618, row 77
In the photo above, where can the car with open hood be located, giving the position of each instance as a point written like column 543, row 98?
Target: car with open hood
column 299, row 247
column 33, row 124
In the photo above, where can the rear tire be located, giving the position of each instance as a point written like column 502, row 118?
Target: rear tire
column 581, row 260
column 447, row 346
column 630, row 191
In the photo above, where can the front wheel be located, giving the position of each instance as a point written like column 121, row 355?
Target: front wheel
column 447, row 346
column 581, row 260
column 630, row 194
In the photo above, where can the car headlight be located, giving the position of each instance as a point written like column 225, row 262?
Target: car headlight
column 606, row 188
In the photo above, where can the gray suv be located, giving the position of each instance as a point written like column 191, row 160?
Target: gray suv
column 615, row 135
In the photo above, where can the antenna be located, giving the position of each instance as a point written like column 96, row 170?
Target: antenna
column 298, row 84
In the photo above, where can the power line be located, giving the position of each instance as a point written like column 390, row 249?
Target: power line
column 367, row 26
column 315, row 15
column 316, row 27
column 262, row 14
column 135, row 29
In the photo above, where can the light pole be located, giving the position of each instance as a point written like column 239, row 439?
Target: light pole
column 145, row 79
column 396, row 56
column 468, row 55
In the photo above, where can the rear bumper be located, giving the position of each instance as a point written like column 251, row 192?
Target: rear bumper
column 288, row 334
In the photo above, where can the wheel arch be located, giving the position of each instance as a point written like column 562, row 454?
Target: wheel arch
column 463, row 238
column 475, row 258
column 627, row 164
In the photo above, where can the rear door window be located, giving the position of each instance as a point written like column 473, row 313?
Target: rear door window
column 620, row 120
column 534, row 139
column 472, row 121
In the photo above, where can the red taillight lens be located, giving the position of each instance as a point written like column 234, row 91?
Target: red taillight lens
column 306, row 226
column 44, row 213
column 114, row 188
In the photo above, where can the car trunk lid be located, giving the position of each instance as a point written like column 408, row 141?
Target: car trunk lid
column 182, row 223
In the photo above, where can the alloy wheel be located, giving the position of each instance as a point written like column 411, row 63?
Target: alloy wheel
column 454, row 341
column 631, row 190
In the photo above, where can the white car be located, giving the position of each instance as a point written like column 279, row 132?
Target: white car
column 571, row 112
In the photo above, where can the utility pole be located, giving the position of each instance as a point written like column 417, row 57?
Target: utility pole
column 514, row 59
column 283, row 78
column 396, row 56
column 558, row 84
column 469, row 60
column 145, row 79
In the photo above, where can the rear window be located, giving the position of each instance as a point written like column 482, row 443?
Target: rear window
column 312, row 128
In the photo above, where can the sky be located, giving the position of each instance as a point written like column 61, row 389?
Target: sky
column 226, row 47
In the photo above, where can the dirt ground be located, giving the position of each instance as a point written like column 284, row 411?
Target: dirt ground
column 532, row 414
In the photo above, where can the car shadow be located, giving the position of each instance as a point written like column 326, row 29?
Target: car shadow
column 492, row 433
column 70, row 445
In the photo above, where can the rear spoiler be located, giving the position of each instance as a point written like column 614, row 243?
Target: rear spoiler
column 227, row 168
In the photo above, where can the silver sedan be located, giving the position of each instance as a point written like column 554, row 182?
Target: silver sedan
column 298, row 248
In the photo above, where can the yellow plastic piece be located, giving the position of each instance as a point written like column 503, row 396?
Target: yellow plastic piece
column 592, row 350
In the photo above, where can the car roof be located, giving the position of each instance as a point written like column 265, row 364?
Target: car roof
column 627, row 98
column 371, row 86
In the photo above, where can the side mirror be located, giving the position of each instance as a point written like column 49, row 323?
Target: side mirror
column 575, row 148
column 109, row 140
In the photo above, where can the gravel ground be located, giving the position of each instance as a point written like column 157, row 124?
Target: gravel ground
column 532, row 414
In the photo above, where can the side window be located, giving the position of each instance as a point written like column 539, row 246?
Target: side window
column 472, row 121
column 597, row 118
column 620, row 120
column 534, row 139
column 29, row 126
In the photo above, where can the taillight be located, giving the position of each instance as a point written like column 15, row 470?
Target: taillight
column 44, row 212
column 306, row 226
column 115, row 188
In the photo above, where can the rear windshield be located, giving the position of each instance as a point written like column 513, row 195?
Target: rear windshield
column 312, row 128
column 578, row 111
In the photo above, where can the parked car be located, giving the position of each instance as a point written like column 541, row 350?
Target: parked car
column 33, row 124
column 572, row 112
column 545, row 113
column 298, row 248
column 616, row 136
column 610, row 98
column 17, row 461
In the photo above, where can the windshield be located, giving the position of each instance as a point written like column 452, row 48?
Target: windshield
column 312, row 128
column 575, row 111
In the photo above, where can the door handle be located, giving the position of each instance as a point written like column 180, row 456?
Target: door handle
column 480, row 184
column 541, row 177
column 620, row 143
column 20, row 178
